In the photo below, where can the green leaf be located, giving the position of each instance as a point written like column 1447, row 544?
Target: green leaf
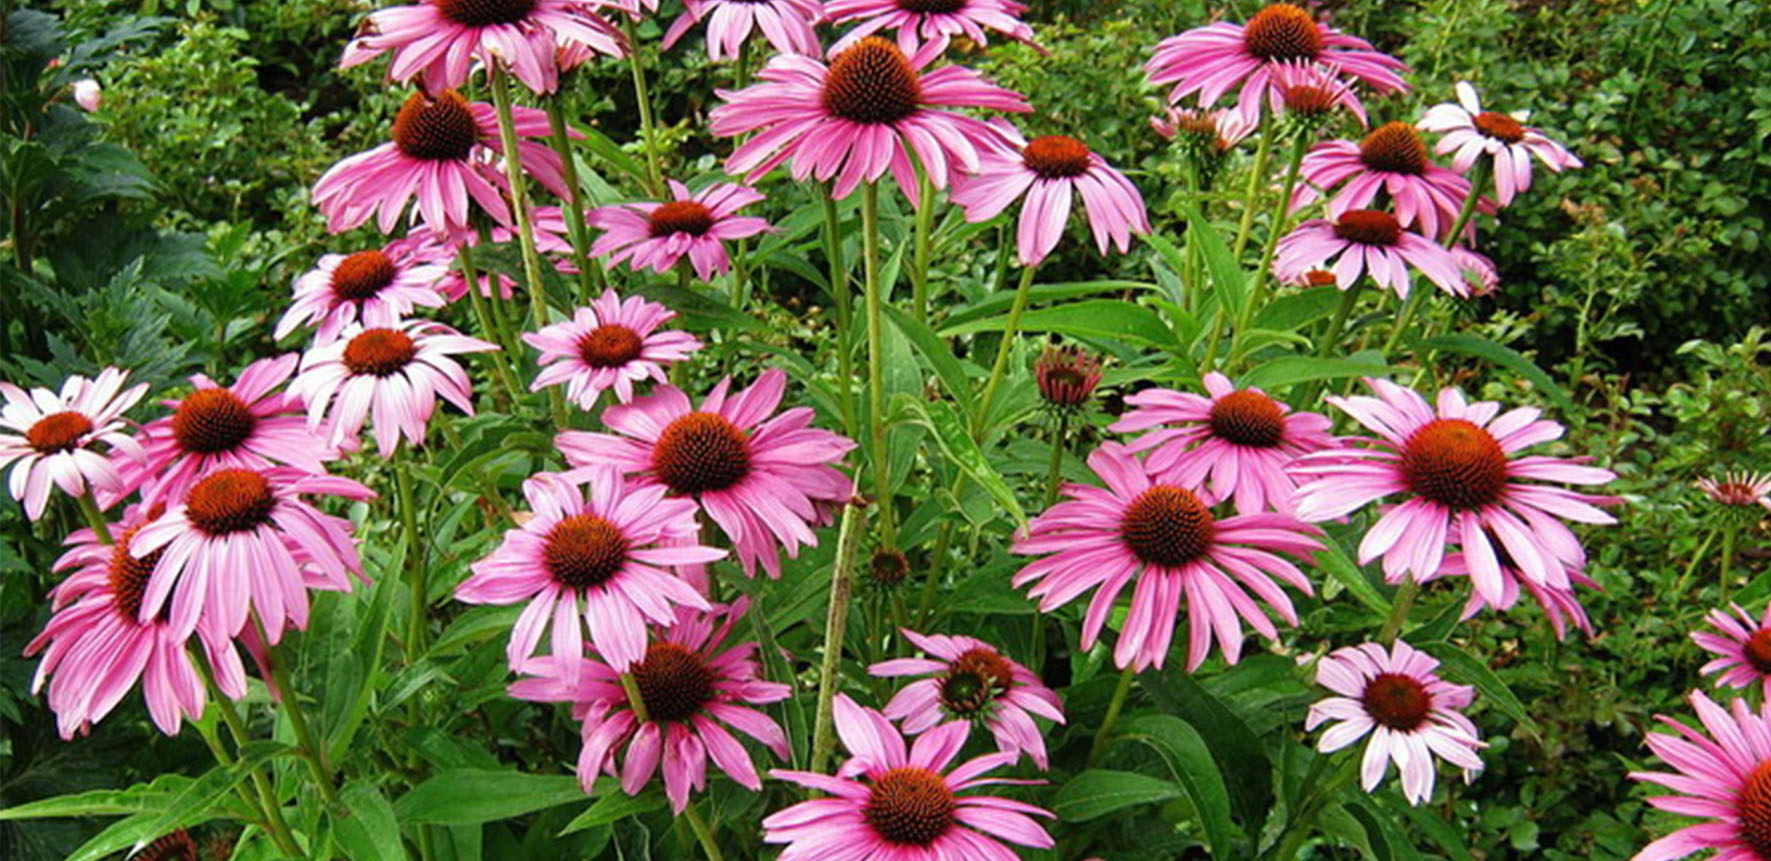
column 1226, row 273
column 1506, row 357
column 940, row 357
column 139, row 798
column 1465, row 667
column 959, row 448
column 1098, row 792
column 998, row 302
column 1189, row 760
column 1294, row 311
column 1234, row 747
column 469, row 796
column 1345, row 571
column 1454, row 842
column 1112, row 319
column 1287, row 370
column 612, row 804
column 192, row 804
column 370, row 831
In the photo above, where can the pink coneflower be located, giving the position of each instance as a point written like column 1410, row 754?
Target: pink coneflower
column 1470, row 131
column 441, row 40
column 1166, row 538
column 1067, row 376
column 97, row 645
column 1409, row 712
column 1211, row 60
column 377, row 287
column 692, row 690
column 969, row 680
column 52, row 434
column 1241, row 439
column 601, row 552
column 1743, row 644
column 860, row 116
column 891, row 802
column 929, row 21
column 610, row 345
column 1049, row 171
column 765, row 481
column 248, row 425
column 1478, row 271
column 1723, row 776
column 394, row 373
column 1737, row 489
column 1361, row 242
column 443, row 152
column 1558, row 598
column 244, row 541
column 1391, row 159
column 656, row 235
column 1222, row 130
column 787, row 24
column 1459, row 469
column 1314, row 92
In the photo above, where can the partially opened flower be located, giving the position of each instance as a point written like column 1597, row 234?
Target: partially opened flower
column 97, row 646
column 692, row 689
column 1478, row 271
column 377, row 287
column 859, row 116
column 1469, row 131
column 393, row 373
column 920, row 22
column 249, row 425
column 765, row 481
column 786, row 24
column 439, row 41
column 243, row 543
column 887, row 801
column 1313, row 92
column 968, row 679
column 1393, row 160
column 1558, row 597
column 656, row 235
column 1219, row 130
column 1739, row 489
column 610, row 345
column 1722, row 775
column 1067, row 376
column 592, row 556
column 1164, row 537
column 1212, row 60
column 1463, row 478
column 1366, row 242
column 50, row 438
column 443, row 153
column 1742, row 645
column 1410, row 714
column 1050, row 171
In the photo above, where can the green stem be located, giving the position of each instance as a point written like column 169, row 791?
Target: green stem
column 1727, row 560
column 507, row 392
column 1052, row 474
column 839, row 300
column 94, row 517
column 876, row 424
column 407, row 503
column 1251, row 195
column 1478, row 182
column 925, row 221
column 1296, row 831
column 1401, row 604
column 634, row 701
column 1410, row 306
column 937, row 559
column 267, row 800
column 1214, row 339
column 1696, row 557
column 1276, row 226
column 836, row 623
column 212, row 739
column 311, row 752
column 590, row 277
column 1331, row 337
column 648, row 133
column 703, row 834
column 1010, row 328
column 1114, row 707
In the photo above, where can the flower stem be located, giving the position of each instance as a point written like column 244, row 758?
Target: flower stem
column 1010, row 328
column 1251, row 195
column 1403, row 602
column 507, row 393
column 1403, row 318
column 1727, row 559
column 1478, row 181
column 648, row 133
column 634, row 701
column 313, row 753
column 1114, row 707
column 212, row 739
column 839, row 299
column 919, row 270
column 267, row 800
column 407, row 503
column 1052, row 475
column 590, row 277
column 1331, row 337
column 703, row 834
column 1296, row 830
column 1276, row 226
column 876, row 423
column 94, row 517
column 1696, row 557
column 836, row 623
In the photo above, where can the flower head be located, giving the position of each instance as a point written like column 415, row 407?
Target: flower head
column 378, row 287
column 1217, row 130
column 1469, row 131
column 1409, row 712
column 49, row 437
column 1391, row 159
column 87, row 94
column 1739, row 489
column 393, row 372
column 786, row 24
column 1067, row 376
column 1313, row 92
column 765, row 481
column 969, row 679
column 1463, row 480
column 608, row 346
column 1049, row 171
column 859, row 116
column 1558, row 596
column 1242, row 439
column 1366, row 241
column 1166, row 538
column 933, row 22
column 1742, row 645
column 440, row 40
column 1478, row 271
column 890, row 800
column 692, row 689
column 1722, row 776
column 656, row 235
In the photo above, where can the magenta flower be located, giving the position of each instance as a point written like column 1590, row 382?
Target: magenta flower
column 765, row 481
column 1366, row 241
column 241, row 542
column 692, row 690
column 1742, row 645
column 53, row 434
column 1723, row 776
column 1409, row 712
column 889, row 802
column 444, row 152
column 1735, row 489
column 928, row 21
column 656, row 235
column 860, row 116
column 1213, row 59
column 1469, row 131
column 610, row 345
column 969, row 680
column 378, row 287
column 1165, row 537
column 97, row 646
column 787, row 24
column 394, row 372
column 1049, row 171
column 1223, row 129
column 1460, row 471
column 602, row 551
column 440, row 40
column 1313, row 90
column 1558, row 598
column 1478, row 271
column 1391, row 159
column 248, row 425
column 1241, row 439
column 1066, row 376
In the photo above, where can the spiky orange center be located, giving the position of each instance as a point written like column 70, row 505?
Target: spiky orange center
column 1753, row 807
column 680, row 216
column 1397, row 701
column 58, row 432
column 872, row 83
column 1454, row 463
column 1368, row 227
column 1395, row 147
column 609, row 346
column 229, row 501
column 362, row 275
column 485, row 13
column 975, row 678
column 1758, row 651
column 1167, row 526
column 439, row 129
column 1282, row 32
column 379, row 352
column 211, row 421
column 584, row 550
column 129, row 578
column 701, row 453
column 1499, row 126
column 1247, row 418
column 910, row 806
column 1325, row 277
column 1309, row 100
column 674, row 682
column 1056, row 157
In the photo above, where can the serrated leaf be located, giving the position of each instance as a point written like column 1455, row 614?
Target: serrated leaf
column 370, row 831
column 1234, row 747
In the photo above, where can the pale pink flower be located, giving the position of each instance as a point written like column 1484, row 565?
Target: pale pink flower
column 441, row 40
column 1558, row 597
column 656, row 235
column 1366, row 242
column 1313, row 90
column 1478, row 271
column 378, row 287
column 1743, row 646
column 1223, row 129
column 970, row 680
column 392, row 373
column 1739, row 489
column 1723, row 776
column 49, row 438
column 928, row 21
column 1393, row 160
column 609, row 346
column 1049, row 171
column 87, row 94
column 1410, row 713
column 786, row 24
column 1469, row 131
